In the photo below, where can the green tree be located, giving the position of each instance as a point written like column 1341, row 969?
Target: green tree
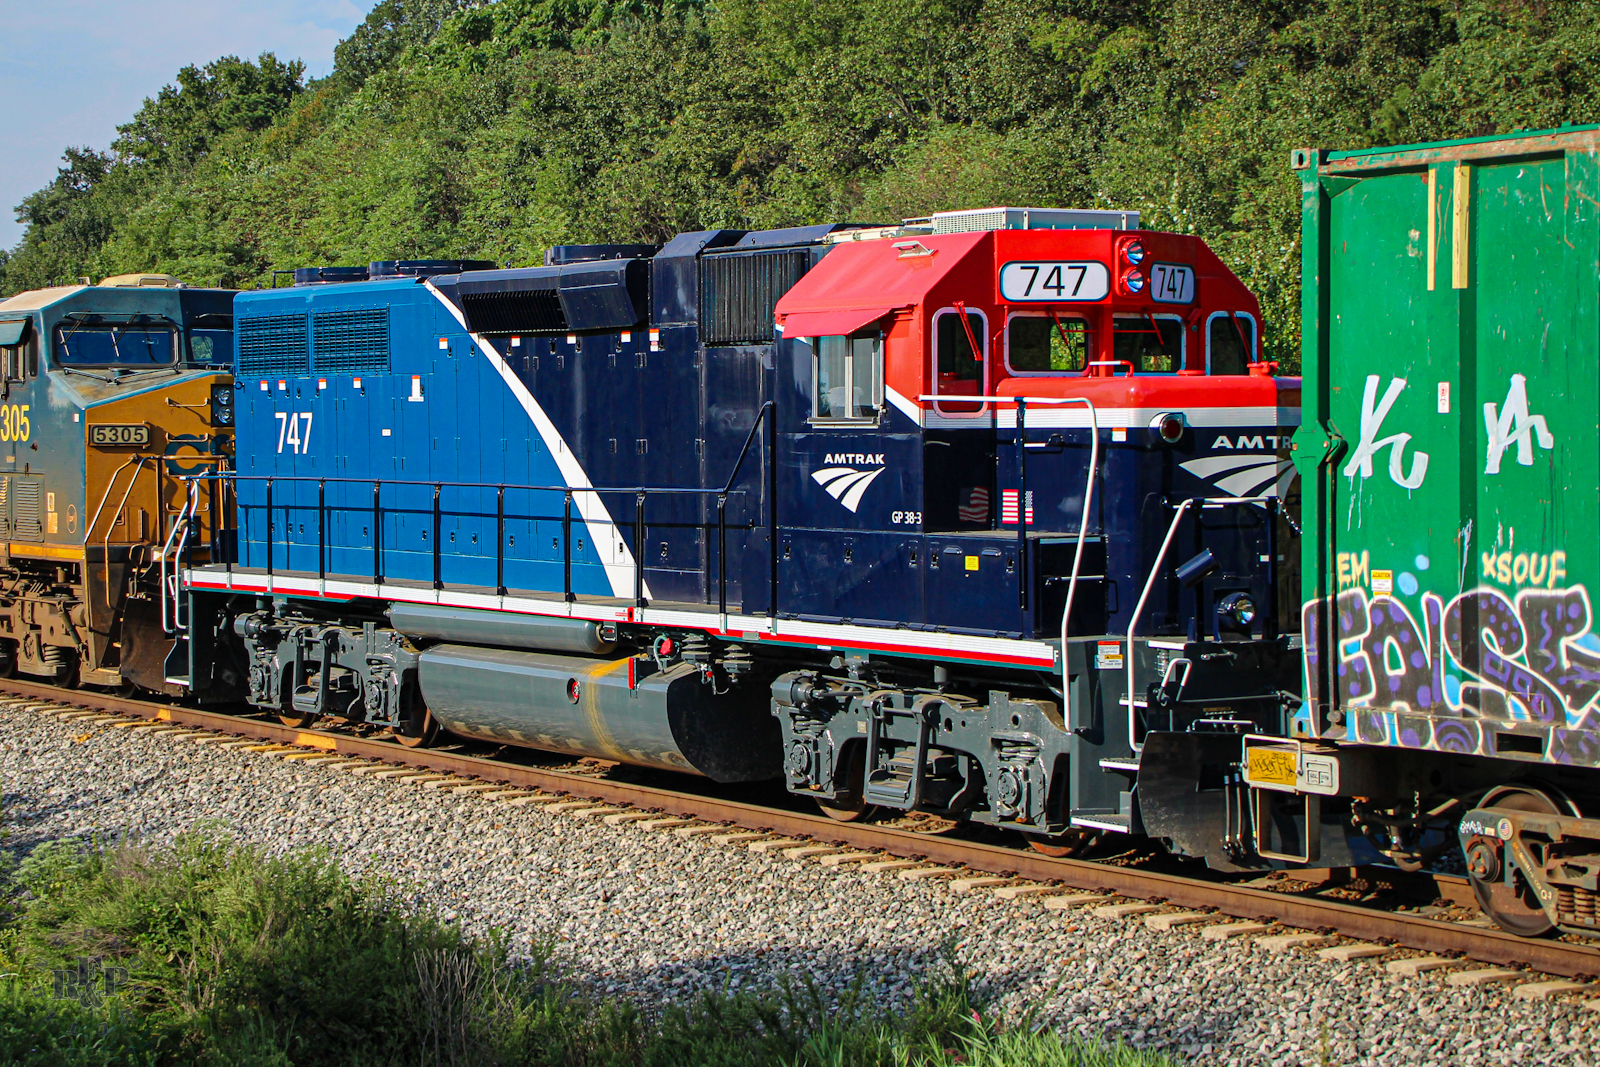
column 68, row 223
column 176, row 128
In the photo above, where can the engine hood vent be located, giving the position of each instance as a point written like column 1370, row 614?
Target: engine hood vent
column 606, row 294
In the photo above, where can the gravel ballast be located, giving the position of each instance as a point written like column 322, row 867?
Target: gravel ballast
column 656, row 918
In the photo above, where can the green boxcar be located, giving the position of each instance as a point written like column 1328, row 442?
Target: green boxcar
column 1449, row 446
column 1450, row 466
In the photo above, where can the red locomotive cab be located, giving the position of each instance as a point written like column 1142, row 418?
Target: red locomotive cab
column 1000, row 348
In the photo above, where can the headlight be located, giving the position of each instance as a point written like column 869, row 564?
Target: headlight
column 222, row 405
column 1133, row 281
column 1133, row 252
column 1171, row 427
column 1237, row 611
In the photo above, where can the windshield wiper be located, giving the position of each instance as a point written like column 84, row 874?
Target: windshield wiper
column 86, row 374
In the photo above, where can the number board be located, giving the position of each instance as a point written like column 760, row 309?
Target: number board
column 107, row 435
column 1054, row 281
column 1171, row 283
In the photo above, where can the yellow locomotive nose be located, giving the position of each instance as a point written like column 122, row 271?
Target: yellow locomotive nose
column 93, row 490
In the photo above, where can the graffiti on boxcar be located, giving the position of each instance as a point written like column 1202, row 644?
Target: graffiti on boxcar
column 1485, row 657
column 1373, row 412
column 1512, row 424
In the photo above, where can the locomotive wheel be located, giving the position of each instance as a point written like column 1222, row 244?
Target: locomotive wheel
column 851, row 807
column 299, row 720
column 1064, row 846
column 1516, row 909
column 845, row 811
column 418, row 735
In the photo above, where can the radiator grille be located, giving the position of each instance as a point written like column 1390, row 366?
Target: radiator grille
column 272, row 344
column 739, row 292
column 25, row 511
column 350, row 339
column 523, row 311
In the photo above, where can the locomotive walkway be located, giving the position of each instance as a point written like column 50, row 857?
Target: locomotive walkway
column 1280, row 921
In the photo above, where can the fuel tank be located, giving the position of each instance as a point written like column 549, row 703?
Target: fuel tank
column 671, row 719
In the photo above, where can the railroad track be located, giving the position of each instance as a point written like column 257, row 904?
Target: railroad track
column 1115, row 887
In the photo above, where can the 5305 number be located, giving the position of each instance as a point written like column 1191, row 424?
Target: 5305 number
column 14, row 422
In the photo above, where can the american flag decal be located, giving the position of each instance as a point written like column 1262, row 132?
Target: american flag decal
column 1008, row 506
column 974, row 506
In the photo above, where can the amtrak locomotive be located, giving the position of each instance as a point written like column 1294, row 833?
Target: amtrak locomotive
column 977, row 515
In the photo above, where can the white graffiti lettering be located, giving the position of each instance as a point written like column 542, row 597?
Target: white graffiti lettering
column 1373, row 413
column 1513, row 425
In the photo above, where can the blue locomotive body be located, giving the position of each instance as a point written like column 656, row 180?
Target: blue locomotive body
column 814, row 502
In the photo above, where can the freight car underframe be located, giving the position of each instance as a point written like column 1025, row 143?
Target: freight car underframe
column 1532, row 855
column 1022, row 748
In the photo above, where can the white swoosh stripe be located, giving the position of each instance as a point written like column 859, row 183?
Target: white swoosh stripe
column 603, row 532
column 1205, row 468
column 852, row 499
column 828, row 474
column 1248, row 481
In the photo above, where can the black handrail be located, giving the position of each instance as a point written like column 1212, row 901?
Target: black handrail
column 772, row 511
column 641, row 493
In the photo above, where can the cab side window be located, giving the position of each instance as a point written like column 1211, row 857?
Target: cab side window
column 847, row 378
column 20, row 361
column 19, row 351
column 1036, row 344
column 1231, row 343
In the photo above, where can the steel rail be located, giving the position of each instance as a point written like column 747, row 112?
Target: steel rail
column 1491, row 946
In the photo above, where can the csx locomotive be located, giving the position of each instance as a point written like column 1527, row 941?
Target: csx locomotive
column 111, row 395
column 995, row 514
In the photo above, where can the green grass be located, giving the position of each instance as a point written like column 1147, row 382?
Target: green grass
column 219, row 954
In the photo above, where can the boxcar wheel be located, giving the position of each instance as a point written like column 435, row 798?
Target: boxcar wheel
column 1516, row 909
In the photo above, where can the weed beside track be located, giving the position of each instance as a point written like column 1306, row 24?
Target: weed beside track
column 208, row 952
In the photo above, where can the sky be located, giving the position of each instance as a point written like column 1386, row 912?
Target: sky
column 73, row 70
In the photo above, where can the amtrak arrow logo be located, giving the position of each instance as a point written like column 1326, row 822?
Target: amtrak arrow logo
column 846, row 484
column 1250, row 474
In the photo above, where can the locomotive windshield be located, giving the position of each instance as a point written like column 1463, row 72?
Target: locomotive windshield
column 1037, row 344
column 1232, row 338
column 114, row 345
column 1152, row 343
column 211, row 341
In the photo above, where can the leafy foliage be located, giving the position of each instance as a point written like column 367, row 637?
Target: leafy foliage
column 494, row 129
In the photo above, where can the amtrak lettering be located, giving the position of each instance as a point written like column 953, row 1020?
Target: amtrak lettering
column 1265, row 440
